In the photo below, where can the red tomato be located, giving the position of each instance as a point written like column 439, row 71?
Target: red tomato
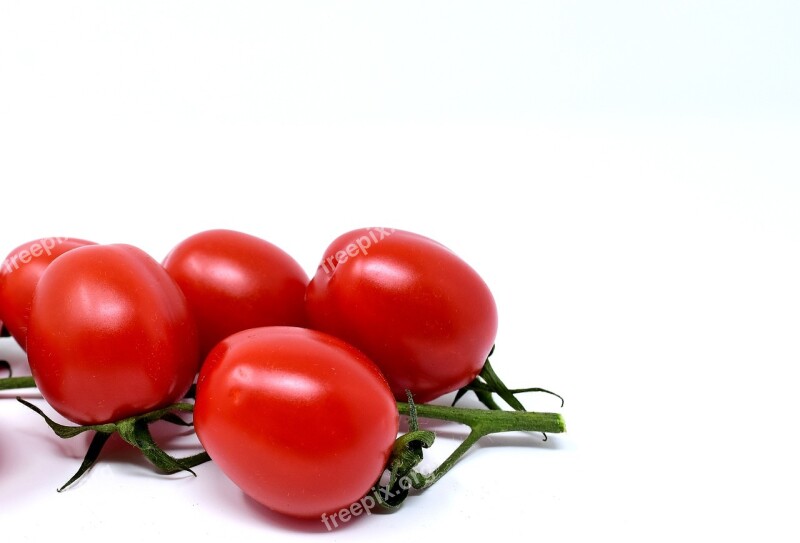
column 19, row 274
column 234, row 281
column 110, row 335
column 423, row 315
column 301, row 421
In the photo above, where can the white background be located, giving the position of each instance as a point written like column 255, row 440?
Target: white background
column 624, row 175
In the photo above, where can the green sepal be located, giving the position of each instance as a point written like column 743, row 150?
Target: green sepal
column 92, row 454
column 487, row 383
column 172, row 418
column 133, row 430
column 66, row 432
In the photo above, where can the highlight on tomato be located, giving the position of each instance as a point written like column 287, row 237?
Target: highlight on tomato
column 19, row 274
column 421, row 313
column 110, row 335
column 234, row 281
column 301, row 421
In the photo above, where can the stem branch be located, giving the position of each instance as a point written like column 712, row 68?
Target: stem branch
column 11, row 383
column 481, row 423
column 491, row 422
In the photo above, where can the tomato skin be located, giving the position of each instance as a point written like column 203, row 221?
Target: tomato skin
column 423, row 315
column 301, row 421
column 110, row 335
column 234, row 281
column 19, row 274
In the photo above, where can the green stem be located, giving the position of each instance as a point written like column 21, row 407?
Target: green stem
column 491, row 421
column 11, row 383
column 481, row 423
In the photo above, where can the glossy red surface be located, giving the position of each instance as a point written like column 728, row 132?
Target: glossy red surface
column 19, row 274
column 301, row 421
column 110, row 335
column 423, row 315
column 234, row 281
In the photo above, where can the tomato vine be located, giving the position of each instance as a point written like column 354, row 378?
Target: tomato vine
column 406, row 455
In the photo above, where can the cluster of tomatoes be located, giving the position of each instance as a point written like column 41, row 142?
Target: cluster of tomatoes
column 296, row 378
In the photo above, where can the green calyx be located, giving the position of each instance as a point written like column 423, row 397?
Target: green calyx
column 487, row 383
column 408, row 449
column 134, row 431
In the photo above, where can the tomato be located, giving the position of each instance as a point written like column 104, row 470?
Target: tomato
column 235, row 281
column 301, row 421
column 19, row 274
column 111, row 335
column 423, row 315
